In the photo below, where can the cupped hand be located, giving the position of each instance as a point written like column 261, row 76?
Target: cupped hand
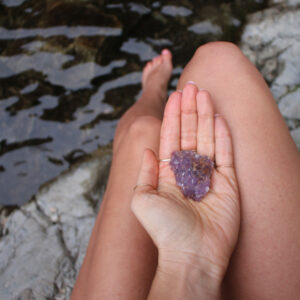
column 205, row 231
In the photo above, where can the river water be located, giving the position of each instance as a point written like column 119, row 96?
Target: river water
column 70, row 69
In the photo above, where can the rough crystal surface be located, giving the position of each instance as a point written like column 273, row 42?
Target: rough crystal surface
column 192, row 172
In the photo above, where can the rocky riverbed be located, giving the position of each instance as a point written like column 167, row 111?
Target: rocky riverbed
column 42, row 243
column 271, row 41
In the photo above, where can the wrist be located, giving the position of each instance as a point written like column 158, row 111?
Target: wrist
column 189, row 276
column 214, row 269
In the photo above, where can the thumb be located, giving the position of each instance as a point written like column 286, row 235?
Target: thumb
column 147, row 181
column 148, row 175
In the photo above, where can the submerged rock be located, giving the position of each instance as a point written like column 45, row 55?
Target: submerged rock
column 192, row 172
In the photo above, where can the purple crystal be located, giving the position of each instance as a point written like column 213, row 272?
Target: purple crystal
column 192, row 172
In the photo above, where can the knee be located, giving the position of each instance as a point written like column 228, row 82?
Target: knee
column 143, row 128
column 216, row 49
column 219, row 53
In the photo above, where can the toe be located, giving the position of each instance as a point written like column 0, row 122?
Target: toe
column 157, row 60
column 148, row 65
column 166, row 53
column 167, row 58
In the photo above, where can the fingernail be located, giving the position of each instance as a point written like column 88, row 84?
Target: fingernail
column 201, row 89
column 180, row 91
column 192, row 82
column 165, row 51
column 217, row 115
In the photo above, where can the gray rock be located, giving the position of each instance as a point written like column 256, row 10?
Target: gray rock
column 296, row 136
column 289, row 3
column 30, row 256
column 271, row 41
column 44, row 242
column 289, row 105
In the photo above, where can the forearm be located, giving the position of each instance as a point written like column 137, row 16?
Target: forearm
column 185, row 279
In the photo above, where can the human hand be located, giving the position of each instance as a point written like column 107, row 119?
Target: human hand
column 204, row 233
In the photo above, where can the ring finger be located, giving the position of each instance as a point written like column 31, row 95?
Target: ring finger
column 205, row 135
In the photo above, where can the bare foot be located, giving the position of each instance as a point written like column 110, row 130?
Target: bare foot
column 157, row 73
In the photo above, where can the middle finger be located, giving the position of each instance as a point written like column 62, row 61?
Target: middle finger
column 189, row 117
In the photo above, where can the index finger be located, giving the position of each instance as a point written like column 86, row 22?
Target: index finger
column 170, row 129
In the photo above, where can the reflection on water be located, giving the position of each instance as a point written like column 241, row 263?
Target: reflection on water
column 50, row 64
column 11, row 3
column 174, row 11
column 140, row 48
column 205, row 27
column 70, row 32
column 70, row 69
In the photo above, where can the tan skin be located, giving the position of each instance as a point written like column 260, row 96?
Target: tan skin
column 198, row 235
column 121, row 260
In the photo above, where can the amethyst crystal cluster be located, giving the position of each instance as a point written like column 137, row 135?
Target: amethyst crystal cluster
column 192, row 172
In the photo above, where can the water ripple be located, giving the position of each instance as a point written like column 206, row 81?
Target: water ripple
column 70, row 32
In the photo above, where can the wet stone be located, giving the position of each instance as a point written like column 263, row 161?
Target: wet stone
column 192, row 173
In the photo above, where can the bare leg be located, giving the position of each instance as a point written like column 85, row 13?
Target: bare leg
column 121, row 259
column 266, row 262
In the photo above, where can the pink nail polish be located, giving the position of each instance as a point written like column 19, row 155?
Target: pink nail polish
column 192, row 82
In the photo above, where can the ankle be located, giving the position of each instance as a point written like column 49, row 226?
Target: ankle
column 158, row 92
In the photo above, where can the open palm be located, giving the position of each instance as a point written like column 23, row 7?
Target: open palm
column 206, row 230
